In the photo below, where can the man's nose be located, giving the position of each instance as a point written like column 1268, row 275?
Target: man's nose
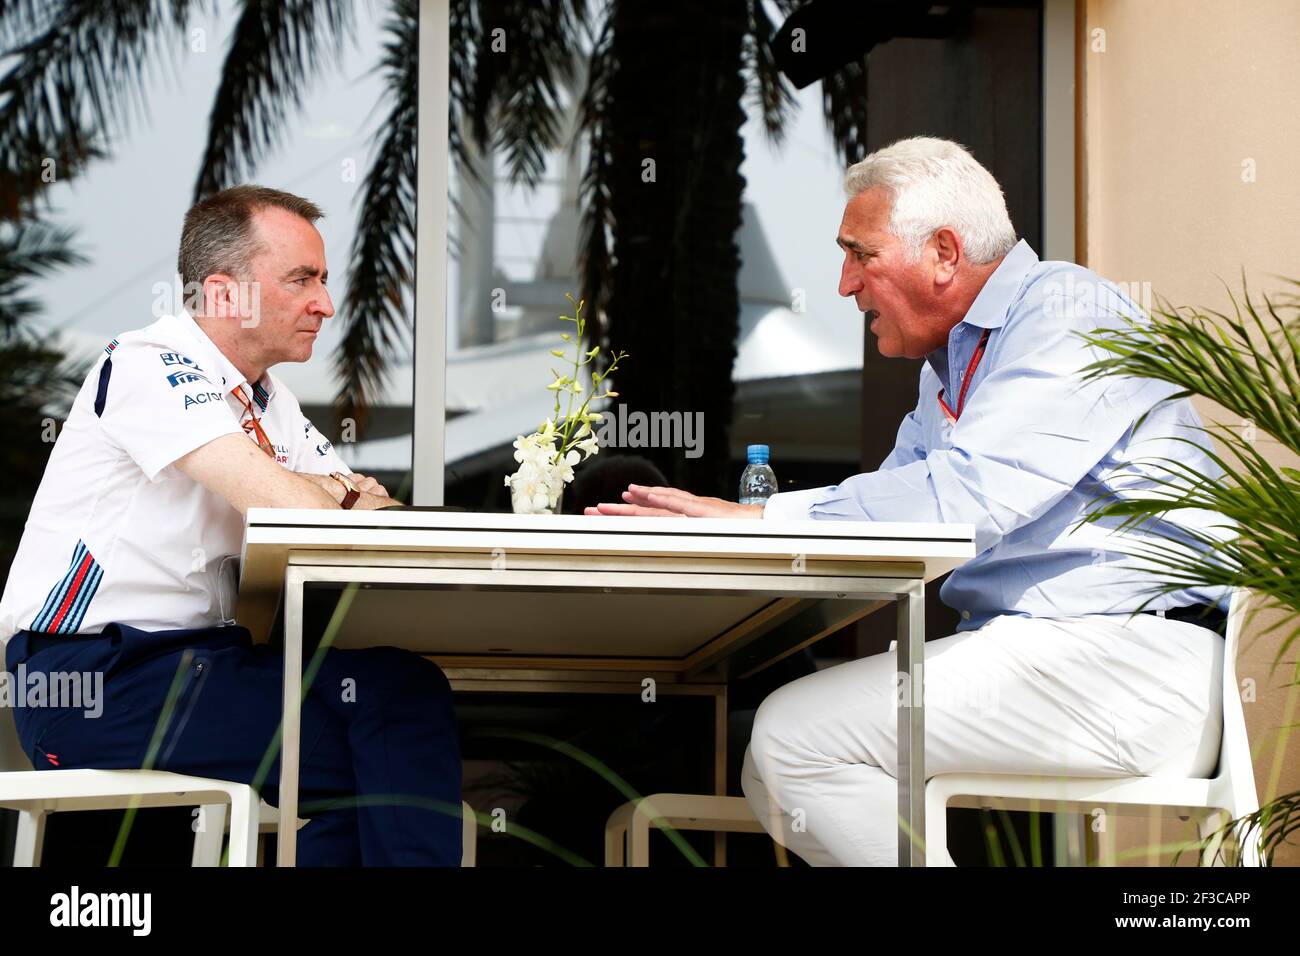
column 324, row 304
column 850, row 283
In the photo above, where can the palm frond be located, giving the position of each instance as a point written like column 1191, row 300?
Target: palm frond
column 594, row 192
column 462, row 24
column 769, row 86
column 75, row 80
column 374, row 311
column 20, row 19
column 1250, row 365
column 1272, row 825
column 1247, row 362
column 844, row 103
column 36, row 378
column 525, row 54
column 27, row 251
column 276, row 48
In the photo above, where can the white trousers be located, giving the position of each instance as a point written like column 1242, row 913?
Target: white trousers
column 1099, row 695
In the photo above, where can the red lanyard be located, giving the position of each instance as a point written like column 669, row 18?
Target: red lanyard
column 965, row 382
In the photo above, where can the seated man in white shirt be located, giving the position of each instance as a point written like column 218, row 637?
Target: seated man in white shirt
column 126, row 567
column 1053, row 670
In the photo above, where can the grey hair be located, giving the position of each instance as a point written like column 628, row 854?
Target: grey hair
column 936, row 183
column 218, row 233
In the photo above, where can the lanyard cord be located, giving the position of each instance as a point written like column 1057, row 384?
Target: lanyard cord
column 254, row 426
column 965, row 382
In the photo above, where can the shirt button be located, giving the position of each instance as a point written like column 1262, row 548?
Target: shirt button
column 965, row 615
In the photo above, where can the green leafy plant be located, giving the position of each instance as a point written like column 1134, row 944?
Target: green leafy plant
column 1249, row 363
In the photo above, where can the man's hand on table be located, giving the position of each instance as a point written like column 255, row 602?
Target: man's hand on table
column 642, row 501
column 373, row 494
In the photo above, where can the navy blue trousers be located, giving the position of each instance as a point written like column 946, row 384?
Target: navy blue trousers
column 380, row 763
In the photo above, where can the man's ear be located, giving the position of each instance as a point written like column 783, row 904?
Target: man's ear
column 947, row 254
column 220, row 295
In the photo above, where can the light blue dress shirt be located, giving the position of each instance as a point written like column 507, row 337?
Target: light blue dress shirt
column 1033, row 449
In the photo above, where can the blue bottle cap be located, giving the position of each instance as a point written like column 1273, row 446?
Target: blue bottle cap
column 757, row 454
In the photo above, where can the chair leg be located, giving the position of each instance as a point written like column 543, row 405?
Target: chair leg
column 210, row 835
column 936, row 826
column 638, row 837
column 1069, row 839
column 615, row 834
column 1248, row 846
column 469, row 836
column 615, row 837
column 30, row 838
column 244, row 813
column 1205, row 825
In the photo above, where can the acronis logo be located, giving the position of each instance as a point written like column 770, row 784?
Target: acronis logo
column 202, row 398
column 184, row 378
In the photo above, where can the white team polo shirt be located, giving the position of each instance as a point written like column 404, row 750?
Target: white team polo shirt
column 116, row 533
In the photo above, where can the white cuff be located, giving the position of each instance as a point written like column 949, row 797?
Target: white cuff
column 792, row 505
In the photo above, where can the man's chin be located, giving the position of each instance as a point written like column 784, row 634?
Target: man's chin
column 889, row 348
column 302, row 355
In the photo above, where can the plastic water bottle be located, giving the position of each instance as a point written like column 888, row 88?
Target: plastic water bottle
column 757, row 481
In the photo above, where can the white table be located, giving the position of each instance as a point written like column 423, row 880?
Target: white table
column 693, row 602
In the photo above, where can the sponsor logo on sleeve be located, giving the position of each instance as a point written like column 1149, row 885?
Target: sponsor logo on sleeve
column 184, row 378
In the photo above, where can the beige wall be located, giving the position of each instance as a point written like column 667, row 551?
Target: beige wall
column 1190, row 100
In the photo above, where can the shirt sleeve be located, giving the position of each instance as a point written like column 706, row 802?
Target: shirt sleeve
column 1030, row 431
column 793, row 505
column 159, row 405
column 797, row 505
column 909, row 446
column 315, row 453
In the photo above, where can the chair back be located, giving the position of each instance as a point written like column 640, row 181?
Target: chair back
column 1235, row 766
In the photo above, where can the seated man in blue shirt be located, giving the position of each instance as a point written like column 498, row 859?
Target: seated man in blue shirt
column 1051, row 671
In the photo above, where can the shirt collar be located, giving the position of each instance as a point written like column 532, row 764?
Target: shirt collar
column 989, row 310
column 231, row 377
column 991, row 305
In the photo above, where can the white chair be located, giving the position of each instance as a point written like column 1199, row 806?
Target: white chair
column 37, row 793
column 207, row 839
column 1212, row 801
column 684, row 811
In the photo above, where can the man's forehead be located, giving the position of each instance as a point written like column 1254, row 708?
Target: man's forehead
column 283, row 235
column 271, row 222
column 868, row 207
column 866, row 218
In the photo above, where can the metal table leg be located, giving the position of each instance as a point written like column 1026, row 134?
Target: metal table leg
column 911, row 725
column 287, row 838
column 720, row 768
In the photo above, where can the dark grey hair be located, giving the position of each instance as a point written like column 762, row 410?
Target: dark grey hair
column 218, row 232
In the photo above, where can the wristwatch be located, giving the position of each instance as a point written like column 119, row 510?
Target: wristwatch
column 353, row 492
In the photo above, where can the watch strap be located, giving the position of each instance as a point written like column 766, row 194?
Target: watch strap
column 350, row 491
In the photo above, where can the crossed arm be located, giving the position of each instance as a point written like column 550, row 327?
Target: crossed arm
column 236, row 469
